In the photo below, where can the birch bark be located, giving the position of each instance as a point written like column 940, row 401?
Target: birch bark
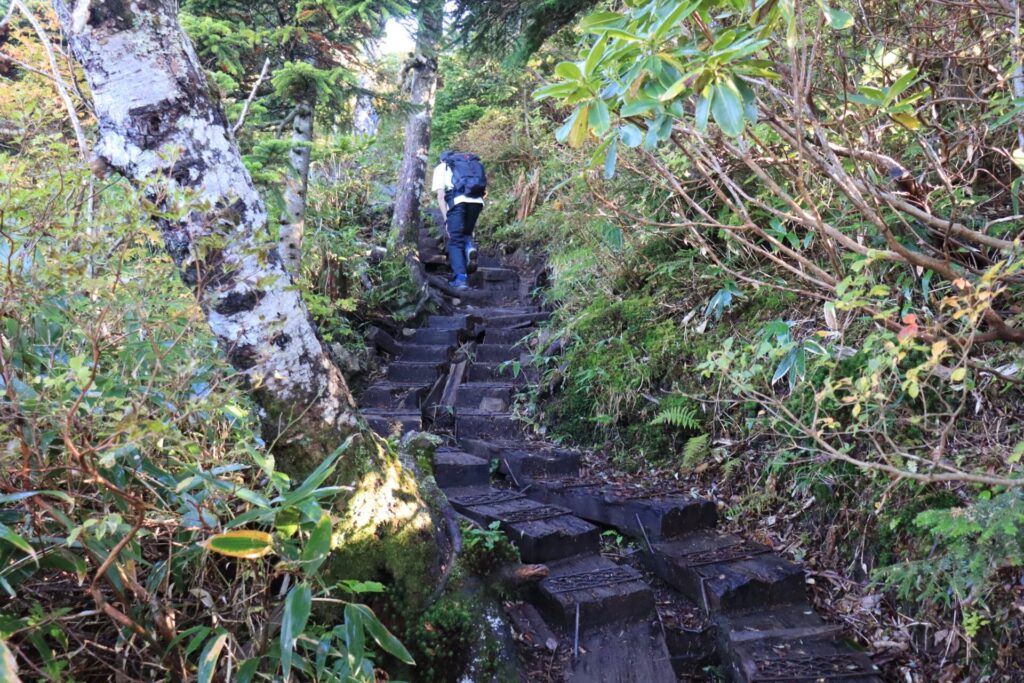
column 423, row 80
column 293, row 216
column 160, row 127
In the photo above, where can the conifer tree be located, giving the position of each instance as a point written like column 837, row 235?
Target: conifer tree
column 313, row 49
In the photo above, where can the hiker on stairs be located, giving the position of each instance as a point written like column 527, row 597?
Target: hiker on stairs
column 460, row 184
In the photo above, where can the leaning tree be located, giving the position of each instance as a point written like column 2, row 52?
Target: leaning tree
column 162, row 129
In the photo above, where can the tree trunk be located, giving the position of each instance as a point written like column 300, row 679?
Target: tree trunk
column 161, row 129
column 293, row 217
column 422, row 82
column 364, row 118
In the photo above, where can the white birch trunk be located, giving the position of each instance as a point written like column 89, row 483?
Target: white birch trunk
column 364, row 116
column 161, row 129
column 293, row 217
column 423, row 80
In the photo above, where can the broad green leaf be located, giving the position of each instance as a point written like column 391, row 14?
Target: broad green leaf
column 837, row 18
column 901, row 84
column 210, row 655
column 622, row 35
column 594, row 56
column 631, row 135
column 317, row 476
column 703, row 110
column 243, row 543
column 785, row 366
column 247, row 669
column 355, row 633
column 8, row 665
column 727, row 107
column 315, row 551
column 354, row 586
column 611, row 158
column 638, row 106
column 674, row 89
column 384, row 638
column 599, row 20
column 17, row 541
column 293, row 622
column 569, row 70
column 598, row 117
column 682, row 10
column 554, row 90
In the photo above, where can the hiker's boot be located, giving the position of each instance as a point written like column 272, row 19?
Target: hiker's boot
column 471, row 257
column 459, row 282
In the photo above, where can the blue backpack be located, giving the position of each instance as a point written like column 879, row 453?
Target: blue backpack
column 468, row 176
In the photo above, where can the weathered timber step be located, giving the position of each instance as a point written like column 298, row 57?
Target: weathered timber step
column 525, row 460
column 515, row 319
column 426, row 373
column 603, row 591
column 785, row 622
column 393, row 422
column 455, row 468
column 392, row 395
column 723, row 572
column 808, row 661
column 422, row 353
column 497, row 353
column 501, row 372
column 639, row 511
column 634, row 652
column 447, row 322
column 541, row 532
column 484, row 312
column 481, row 396
column 498, row 274
column 435, row 337
column 506, row 336
column 476, row 424
column 788, row 642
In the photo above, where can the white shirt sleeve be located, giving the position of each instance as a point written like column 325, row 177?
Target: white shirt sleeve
column 438, row 181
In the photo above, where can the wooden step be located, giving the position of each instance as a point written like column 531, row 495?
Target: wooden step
column 393, row 422
column 409, row 373
column 497, row 353
column 723, row 572
column 815, row 660
column 474, row 424
column 421, row 353
column 391, row 395
column 507, row 336
column 455, row 468
column 604, row 592
column 436, row 337
column 525, row 460
column 541, row 532
column 447, row 322
column 638, row 510
column 501, row 372
column 483, row 396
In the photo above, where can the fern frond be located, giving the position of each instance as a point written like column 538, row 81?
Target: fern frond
column 696, row 450
column 683, row 417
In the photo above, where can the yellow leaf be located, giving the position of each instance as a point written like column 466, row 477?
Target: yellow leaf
column 244, row 544
column 958, row 374
column 908, row 121
column 1018, row 158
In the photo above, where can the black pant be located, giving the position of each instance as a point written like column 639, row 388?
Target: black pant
column 461, row 223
